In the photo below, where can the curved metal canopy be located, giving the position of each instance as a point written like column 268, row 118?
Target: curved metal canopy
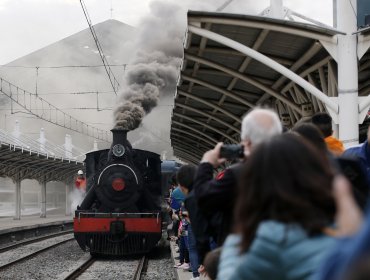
column 21, row 158
column 219, row 83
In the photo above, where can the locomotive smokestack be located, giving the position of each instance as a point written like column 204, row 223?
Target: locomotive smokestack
column 119, row 136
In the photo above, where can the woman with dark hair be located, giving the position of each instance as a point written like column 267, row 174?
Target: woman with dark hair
column 283, row 214
column 312, row 134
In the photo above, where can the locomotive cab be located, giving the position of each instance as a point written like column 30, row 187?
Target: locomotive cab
column 120, row 214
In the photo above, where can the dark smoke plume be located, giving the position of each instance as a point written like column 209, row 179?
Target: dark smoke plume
column 154, row 71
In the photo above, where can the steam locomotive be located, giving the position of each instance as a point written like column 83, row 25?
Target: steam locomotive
column 121, row 212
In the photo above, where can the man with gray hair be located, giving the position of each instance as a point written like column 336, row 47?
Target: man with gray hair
column 216, row 196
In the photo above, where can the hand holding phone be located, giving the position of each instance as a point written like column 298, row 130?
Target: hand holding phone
column 232, row 151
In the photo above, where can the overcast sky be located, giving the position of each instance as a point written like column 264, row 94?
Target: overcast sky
column 27, row 25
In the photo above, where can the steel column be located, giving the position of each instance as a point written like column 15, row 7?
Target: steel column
column 347, row 73
column 268, row 62
column 17, row 200
column 68, row 202
column 43, row 199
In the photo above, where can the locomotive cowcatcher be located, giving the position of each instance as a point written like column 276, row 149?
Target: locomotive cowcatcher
column 120, row 214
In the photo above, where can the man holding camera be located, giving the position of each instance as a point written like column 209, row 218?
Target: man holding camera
column 216, row 196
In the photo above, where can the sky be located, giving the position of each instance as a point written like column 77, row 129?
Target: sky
column 28, row 25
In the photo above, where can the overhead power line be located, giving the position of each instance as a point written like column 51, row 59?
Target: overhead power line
column 223, row 6
column 46, row 111
column 64, row 66
column 115, row 84
column 76, row 92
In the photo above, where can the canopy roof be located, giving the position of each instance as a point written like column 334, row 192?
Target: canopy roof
column 219, row 84
column 21, row 158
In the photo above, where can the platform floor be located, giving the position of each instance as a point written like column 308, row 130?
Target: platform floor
column 180, row 273
column 9, row 223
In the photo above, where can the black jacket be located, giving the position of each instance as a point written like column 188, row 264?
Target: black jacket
column 216, row 198
column 199, row 225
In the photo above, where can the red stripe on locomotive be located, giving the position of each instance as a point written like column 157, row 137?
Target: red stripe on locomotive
column 103, row 224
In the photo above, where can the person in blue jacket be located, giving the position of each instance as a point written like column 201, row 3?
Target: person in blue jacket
column 353, row 245
column 177, row 199
column 284, row 212
column 362, row 153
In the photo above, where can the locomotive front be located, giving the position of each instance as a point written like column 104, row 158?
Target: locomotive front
column 120, row 214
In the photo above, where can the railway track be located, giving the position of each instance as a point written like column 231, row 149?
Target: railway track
column 9, row 236
column 33, row 254
column 91, row 260
column 140, row 268
column 32, row 240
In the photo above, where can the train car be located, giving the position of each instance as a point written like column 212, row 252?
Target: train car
column 121, row 212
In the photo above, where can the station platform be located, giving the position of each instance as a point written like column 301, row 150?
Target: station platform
column 180, row 273
column 8, row 224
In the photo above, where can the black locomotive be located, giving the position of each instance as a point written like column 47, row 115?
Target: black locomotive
column 121, row 213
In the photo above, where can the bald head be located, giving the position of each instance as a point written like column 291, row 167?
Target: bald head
column 259, row 125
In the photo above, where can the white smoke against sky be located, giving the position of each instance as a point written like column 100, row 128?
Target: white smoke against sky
column 75, row 197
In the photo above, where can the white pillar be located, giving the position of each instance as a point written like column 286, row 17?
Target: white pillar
column 68, row 146
column 335, row 130
column 347, row 73
column 17, row 130
column 276, row 7
column 68, row 202
column 43, row 200
column 23, row 206
column 42, row 140
column 17, row 200
column 95, row 145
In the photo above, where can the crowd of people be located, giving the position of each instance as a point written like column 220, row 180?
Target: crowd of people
column 293, row 207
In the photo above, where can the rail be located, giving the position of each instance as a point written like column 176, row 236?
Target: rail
column 31, row 255
column 33, row 240
column 46, row 111
column 80, row 269
column 140, row 268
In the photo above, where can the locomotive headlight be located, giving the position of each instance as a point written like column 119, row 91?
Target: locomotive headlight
column 118, row 150
column 118, row 184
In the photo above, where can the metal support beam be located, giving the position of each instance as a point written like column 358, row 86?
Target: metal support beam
column 301, row 61
column 211, row 143
column 225, row 92
column 196, row 158
column 208, row 103
column 17, row 200
column 185, row 157
column 268, row 62
column 258, row 24
column 43, row 199
column 205, row 125
column 208, row 115
column 68, row 202
column 196, row 131
column 196, row 153
column 348, row 116
column 309, row 70
column 178, row 138
column 243, row 77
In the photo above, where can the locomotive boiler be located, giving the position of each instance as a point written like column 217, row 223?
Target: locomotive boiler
column 121, row 213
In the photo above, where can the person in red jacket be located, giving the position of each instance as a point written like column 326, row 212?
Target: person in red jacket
column 80, row 182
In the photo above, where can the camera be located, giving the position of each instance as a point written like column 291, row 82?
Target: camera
column 232, row 151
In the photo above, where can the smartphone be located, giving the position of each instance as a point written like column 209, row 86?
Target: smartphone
column 232, row 151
